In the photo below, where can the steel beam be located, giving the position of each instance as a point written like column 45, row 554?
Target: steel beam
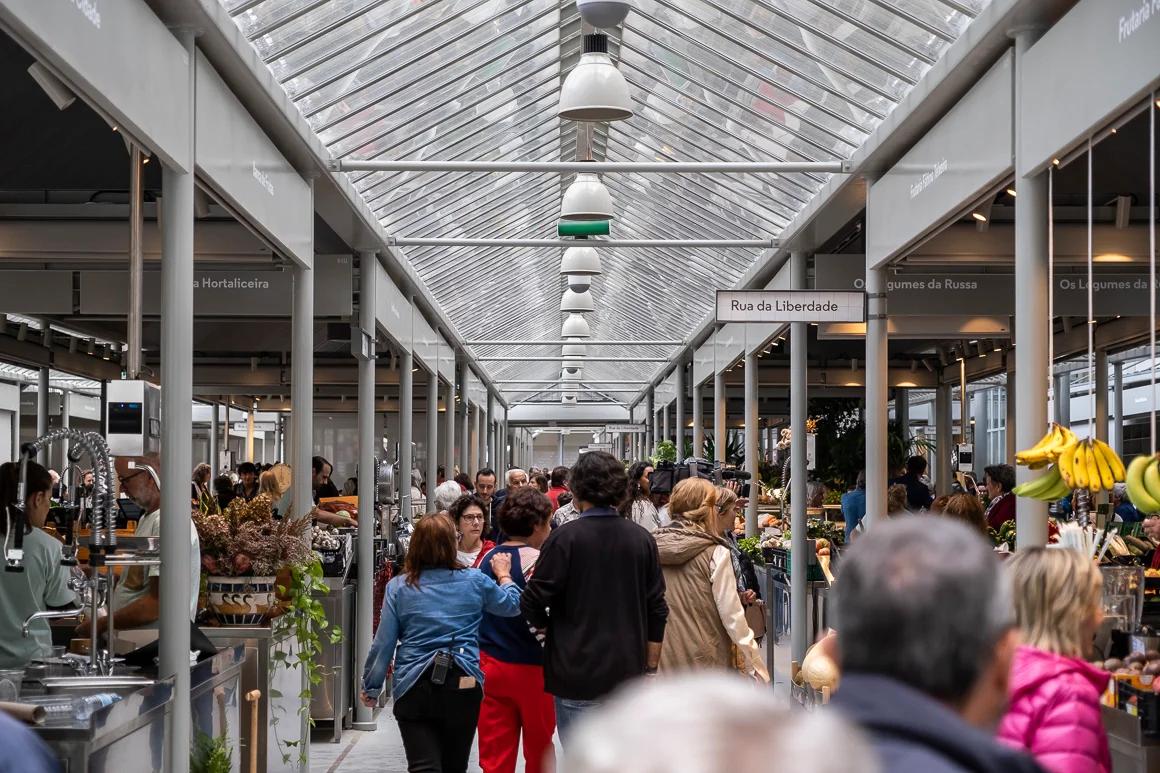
column 42, row 388
column 877, row 470
column 432, row 472
column 1101, row 388
column 798, row 595
column 364, row 603
column 717, row 244
column 584, row 341
column 679, row 411
column 752, row 463
column 136, row 264
column 406, row 428
column 517, row 358
column 698, row 420
column 594, row 167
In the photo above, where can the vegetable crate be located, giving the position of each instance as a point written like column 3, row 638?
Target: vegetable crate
column 1143, row 704
column 336, row 560
column 778, row 560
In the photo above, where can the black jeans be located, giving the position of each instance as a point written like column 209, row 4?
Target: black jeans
column 438, row 722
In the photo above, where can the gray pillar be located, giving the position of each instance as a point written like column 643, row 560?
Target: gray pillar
column 752, row 462
column 476, row 442
column 560, row 449
column 1063, row 399
column 698, row 421
column 1009, row 427
column 877, row 470
column 679, row 411
column 280, row 440
column 136, row 263
column 1118, row 407
column 720, row 418
column 650, row 421
column 364, row 602
column 798, row 401
column 65, row 423
column 176, row 446
column 449, row 428
column 1032, row 326
column 902, row 410
column 250, row 434
column 213, row 442
column 406, row 428
column 505, row 460
column 432, row 434
column 944, row 438
column 42, row 388
column 464, row 422
column 489, row 439
column 1101, row 387
column 302, row 389
column 665, row 423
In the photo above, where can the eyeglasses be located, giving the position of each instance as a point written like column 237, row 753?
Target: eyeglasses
column 472, row 518
column 125, row 479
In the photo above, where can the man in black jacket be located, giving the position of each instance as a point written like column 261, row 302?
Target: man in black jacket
column 926, row 634
column 599, row 592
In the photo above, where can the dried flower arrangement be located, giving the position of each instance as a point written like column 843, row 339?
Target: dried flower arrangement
column 247, row 540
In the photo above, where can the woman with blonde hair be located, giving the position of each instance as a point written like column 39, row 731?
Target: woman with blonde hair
column 1054, row 712
column 706, row 620
column 275, row 484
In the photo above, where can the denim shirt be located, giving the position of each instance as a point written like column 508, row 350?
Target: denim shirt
column 442, row 613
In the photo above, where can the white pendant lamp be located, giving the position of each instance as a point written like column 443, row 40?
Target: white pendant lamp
column 576, row 303
column 570, row 373
column 586, row 199
column 578, row 283
column 595, row 90
column 574, row 350
column 569, row 399
column 580, row 261
column 603, row 14
column 575, row 326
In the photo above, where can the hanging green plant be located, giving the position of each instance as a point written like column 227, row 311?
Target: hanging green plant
column 666, row 452
column 210, row 754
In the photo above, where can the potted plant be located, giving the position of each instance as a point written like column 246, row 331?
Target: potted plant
column 244, row 552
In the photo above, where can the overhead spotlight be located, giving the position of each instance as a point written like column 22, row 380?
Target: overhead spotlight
column 979, row 216
column 1123, row 211
column 580, row 261
column 72, row 345
column 586, row 199
column 574, row 350
column 575, row 326
column 572, row 367
column 982, row 351
column 595, row 90
column 996, row 346
column 579, row 283
column 569, row 399
column 603, row 14
column 576, row 303
column 1011, row 192
column 60, row 94
column 92, row 347
column 571, row 374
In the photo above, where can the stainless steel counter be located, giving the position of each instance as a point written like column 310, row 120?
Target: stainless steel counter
column 332, row 699
column 282, row 725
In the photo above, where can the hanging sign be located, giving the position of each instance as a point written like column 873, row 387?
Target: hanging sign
column 790, row 306
column 624, row 429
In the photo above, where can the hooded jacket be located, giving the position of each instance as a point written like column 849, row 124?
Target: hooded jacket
column 913, row 733
column 1055, row 712
column 695, row 637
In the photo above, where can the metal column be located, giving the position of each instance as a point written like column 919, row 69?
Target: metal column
column 136, row 264
column 698, row 421
column 877, row 469
column 720, row 418
column 42, row 387
column 1101, row 387
column 1118, row 406
column 365, row 349
column 752, row 464
column 250, row 434
column 464, row 422
column 798, row 407
column 650, row 434
column 302, row 389
column 432, row 434
column 473, row 439
column 944, row 438
column 1009, row 425
column 489, row 438
column 1063, row 399
column 665, row 423
column 406, row 428
column 560, row 449
column 449, row 428
column 177, row 214
column 902, row 411
column 679, row 412
column 1032, row 325
column 213, row 442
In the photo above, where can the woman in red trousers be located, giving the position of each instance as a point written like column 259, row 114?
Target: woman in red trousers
column 512, row 655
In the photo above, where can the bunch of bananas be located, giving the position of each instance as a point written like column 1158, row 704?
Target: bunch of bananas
column 1090, row 464
column 1144, row 483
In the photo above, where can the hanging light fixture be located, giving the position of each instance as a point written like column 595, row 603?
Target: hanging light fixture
column 586, row 199
column 571, row 371
column 575, row 326
column 581, row 261
column 568, row 398
column 576, row 303
column 579, row 283
column 603, row 14
column 574, row 350
column 595, row 90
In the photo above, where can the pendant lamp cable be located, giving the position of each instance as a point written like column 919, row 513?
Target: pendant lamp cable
column 1091, row 321
column 1051, row 395
column 1153, row 106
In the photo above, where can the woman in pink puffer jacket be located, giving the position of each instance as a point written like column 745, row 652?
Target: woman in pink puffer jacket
column 1055, row 694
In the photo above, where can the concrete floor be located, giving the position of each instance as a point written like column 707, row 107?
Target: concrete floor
column 382, row 750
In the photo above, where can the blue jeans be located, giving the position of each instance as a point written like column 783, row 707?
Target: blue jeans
column 568, row 711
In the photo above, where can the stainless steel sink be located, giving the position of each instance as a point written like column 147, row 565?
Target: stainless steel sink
column 90, row 685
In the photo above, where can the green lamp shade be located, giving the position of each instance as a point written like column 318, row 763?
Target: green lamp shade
column 584, row 228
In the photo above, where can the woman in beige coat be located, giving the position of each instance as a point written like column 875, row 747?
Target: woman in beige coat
column 706, row 626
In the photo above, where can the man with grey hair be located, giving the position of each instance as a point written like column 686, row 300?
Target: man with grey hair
column 445, row 495
column 926, row 634
column 516, row 478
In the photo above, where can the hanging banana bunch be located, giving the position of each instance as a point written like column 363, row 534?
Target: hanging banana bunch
column 1144, row 483
column 1074, row 464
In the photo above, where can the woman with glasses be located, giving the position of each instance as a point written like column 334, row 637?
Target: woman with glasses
column 467, row 513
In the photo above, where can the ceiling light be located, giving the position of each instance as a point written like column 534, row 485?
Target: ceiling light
column 574, row 350
column 576, row 303
column 579, row 282
column 575, row 326
column 572, row 367
column 595, row 90
column 571, row 374
column 1011, row 192
column 586, row 199
column 997, row 347
column 568, row 399
column 60, row 94
column 1112, row 257
column 603, row 14
column 979, row 216
column 581, row 261
column 982, row 351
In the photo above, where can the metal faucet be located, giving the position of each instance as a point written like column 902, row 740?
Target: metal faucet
column 52, row 614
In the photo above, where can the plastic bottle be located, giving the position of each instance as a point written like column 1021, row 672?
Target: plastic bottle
column 80, row 708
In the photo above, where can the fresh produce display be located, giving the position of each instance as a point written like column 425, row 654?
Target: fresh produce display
column 325, row 538
column 1005, row 534
column 1072, row 464
column 1143, row 480
column 751, row 547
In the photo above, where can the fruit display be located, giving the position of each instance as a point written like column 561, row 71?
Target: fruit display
column 1143, row 479
column 1071, row 464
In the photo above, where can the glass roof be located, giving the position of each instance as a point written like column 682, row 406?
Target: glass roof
column 711, row 80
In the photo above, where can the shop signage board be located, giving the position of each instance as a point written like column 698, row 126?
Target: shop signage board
column 223, row 293
column 1091, row 66
column 392, row 309
column 36, row 292
column 259, row 426
column 607, row 447
column 446, row 360
column 964, row 154
column 102, row 48
column 624, row 429
column 790, row 306
column 425, row 344
column 240, row 164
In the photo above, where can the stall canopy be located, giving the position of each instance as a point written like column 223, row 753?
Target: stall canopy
column 711, row 80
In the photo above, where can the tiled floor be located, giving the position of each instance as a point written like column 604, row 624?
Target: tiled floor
column 382, row 751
